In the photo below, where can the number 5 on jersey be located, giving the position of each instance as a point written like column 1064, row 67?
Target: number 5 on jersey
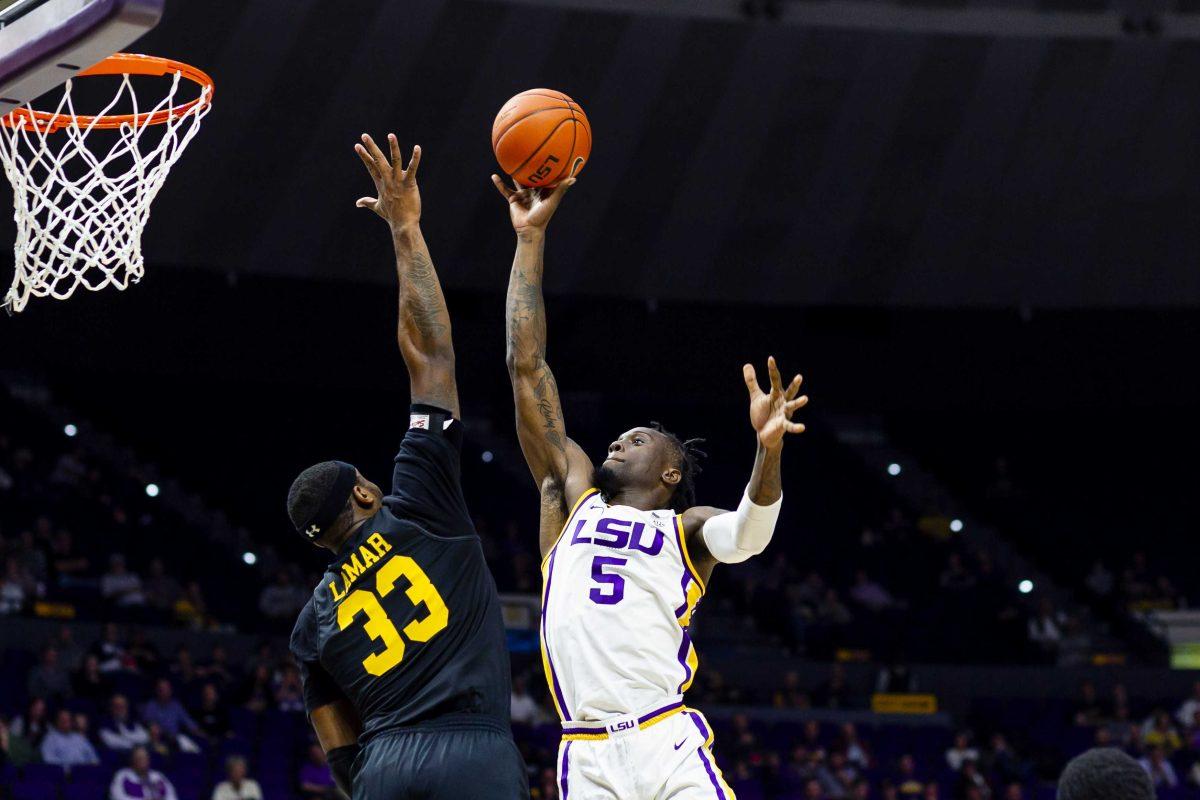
column 380, row 626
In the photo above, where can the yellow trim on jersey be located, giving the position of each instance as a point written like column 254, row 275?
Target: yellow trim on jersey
column 570, row 518
column 694, row 593
column 687, row 559
column 602, row 735
column 693, row 662
column 546, row 668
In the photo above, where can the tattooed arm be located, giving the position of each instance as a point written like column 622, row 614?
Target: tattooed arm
column 560, row 468
column 424, row 330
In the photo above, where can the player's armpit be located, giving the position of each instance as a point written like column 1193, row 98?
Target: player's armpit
column 693, row 531
column 337, row 724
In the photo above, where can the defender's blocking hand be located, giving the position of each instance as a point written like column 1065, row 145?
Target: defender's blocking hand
column 771, row 412
column 399, row 199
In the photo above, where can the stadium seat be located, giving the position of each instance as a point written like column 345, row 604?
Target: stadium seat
column 50, row 773
column 34, row 790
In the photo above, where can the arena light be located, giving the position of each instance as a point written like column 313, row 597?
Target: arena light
column 1025, row 586
column 249, row 558
column 956, row 525
column 70, row 430
column 152, row 490
column 487, row 457
column 893, row 469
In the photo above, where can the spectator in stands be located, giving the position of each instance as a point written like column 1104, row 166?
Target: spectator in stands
column 1159, row 732
column 810, row 737
column 1186, row 714
column 972, row 783
column 256, row 691
column 49, row 679
column 217, row 669
column 835, row 692
column 861, row 790
column 120, row 586
column 1045, row 627
column 237, row 784
column 111, row 651
column 169, row 714
column 1100, row 580
column 15, row 588
column 1014, row 791
column 931, row 792
column 812, row 790
column 282, row 600
column 212, row 715
column 119, row 731
column 896, row 678
column 1075, row 648
column 159, row 743
column 33, row 724
column 832, row 611
column 139, row 782
column 66, row 563
column 161, row 590
column 791, row 695
column 1120, row 728
column 907, row 782
column 961, row 751
column 1087, row 712
column 89, row 683
column 191, row 609
column 1002, row 763
column 855, row 749
column 1192, row 734
column 144, row 653
column 184, row 674
column 70, row 654
column 838, row 776
column 870, row 594
column 523, row 708
column 288, row 689
column 1161, row 773
column 316, row 781
column 65, row 746
column 955, row 577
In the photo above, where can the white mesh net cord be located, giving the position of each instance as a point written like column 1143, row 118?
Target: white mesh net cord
column 80, row 212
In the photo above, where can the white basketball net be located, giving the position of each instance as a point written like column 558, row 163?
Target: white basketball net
column 80, row 212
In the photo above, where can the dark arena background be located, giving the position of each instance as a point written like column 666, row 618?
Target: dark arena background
column 973, row 225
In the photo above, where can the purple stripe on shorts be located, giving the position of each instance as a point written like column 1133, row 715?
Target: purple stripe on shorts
column 562, row 775
column 562, row 703
column 657, row 711
column 696, row 718
column 712, row 776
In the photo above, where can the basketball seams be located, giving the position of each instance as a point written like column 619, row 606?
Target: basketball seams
column 542, row 144
column 571, row 158
column 496, row 140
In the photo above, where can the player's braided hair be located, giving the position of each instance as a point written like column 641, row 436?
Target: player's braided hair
column 689, row 453
column 1104, row 773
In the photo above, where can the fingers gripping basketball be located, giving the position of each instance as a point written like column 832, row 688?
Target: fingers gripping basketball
column 541, row 137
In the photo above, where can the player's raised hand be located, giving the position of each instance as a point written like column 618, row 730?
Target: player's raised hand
column 398, row 199
column 531, row 209
column 771, row 412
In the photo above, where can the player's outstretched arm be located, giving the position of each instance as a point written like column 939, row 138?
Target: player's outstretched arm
column 424, row 331
column 734, row 536
column 559, row 466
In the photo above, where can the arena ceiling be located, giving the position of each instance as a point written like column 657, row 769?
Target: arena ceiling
column 791, row 161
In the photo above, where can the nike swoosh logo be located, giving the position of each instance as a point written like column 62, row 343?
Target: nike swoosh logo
column 680, row 744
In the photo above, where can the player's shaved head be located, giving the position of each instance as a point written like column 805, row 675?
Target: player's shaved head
column 1104, row 773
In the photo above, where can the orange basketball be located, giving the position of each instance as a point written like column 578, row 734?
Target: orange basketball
column 539, row 136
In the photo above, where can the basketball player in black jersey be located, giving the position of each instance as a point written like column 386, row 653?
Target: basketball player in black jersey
column 402, row 647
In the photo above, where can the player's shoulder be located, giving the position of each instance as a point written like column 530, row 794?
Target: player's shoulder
column 302, row 642
column 694, row 517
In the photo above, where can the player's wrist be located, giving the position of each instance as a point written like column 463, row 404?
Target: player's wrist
column 405, row 231
column 530, row 234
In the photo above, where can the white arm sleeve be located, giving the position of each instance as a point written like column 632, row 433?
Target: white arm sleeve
column 734, row 536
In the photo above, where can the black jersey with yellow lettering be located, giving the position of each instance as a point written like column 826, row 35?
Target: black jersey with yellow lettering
column 406, row 623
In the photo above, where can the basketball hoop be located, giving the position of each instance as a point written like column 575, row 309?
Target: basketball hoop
column 82, row 201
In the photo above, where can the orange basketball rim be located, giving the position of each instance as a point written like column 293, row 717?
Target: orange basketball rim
column 122, row 64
